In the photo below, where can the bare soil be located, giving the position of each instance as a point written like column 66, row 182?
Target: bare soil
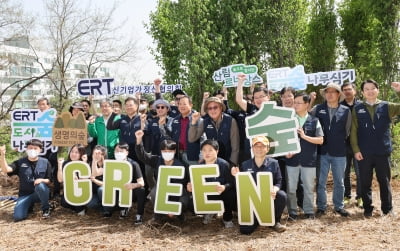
column 67, row 231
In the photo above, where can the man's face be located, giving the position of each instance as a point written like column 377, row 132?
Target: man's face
column 117, row 108
column 130, row 107
column 161, row 110
column 42, row 105
column 259, row 98
column 299, row 105
column 184, row 106
column 214, row 110
column 287, row 99
column 106, row 109
column 370, row 91
column 332, row 95
column 349, row 92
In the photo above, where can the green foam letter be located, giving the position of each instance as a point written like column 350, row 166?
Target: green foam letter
column 201, row 188
column 116, row 175
column 255, row 199
column 165, row 188
column 77, row 192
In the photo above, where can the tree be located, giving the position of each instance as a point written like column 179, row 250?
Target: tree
column 86, row 35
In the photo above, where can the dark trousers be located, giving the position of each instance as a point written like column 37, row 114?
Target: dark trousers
column 279, row 205
column 347, row 180
column 229, row 199
column 65, row 204
column 138, row 196
column 381, row 163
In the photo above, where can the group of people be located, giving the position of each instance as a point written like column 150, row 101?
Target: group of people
column 335, row 135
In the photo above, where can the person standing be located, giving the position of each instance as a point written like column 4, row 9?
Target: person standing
column 335, row 120
column 350, row 100
column 303, row 163
column 372, row 145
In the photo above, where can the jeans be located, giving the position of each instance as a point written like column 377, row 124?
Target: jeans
column 307, row 175
column 26, row 202
column 338, row 165
column 347, row 181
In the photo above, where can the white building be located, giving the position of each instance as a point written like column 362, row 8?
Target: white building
column 19, row 64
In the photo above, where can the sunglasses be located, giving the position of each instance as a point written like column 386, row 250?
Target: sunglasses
column 160, row 107
column 210, row 108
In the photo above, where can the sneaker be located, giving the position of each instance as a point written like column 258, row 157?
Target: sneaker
column 359, row 203
column 138, row 220
column 82, row 213
column 346, row 201
column 228, row 224
column 320, row 212
column 207, row 218
column 342, row 212
column 107, row 214
column 46, row 214
column 310, row 216
column 278, row 227
column 292, row 217
column 123, row 213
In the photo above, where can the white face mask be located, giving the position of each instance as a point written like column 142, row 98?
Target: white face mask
column 120, row 156
column 32, row 153
column 142, row 107
column 168, row 155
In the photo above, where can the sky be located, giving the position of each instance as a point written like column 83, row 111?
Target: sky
column 144, row 69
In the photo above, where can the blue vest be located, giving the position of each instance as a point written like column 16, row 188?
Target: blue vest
column 128, row 127
column 222, row 135
column 334, row 130
column 156, row 136
column 27, row 174
column 308, row 155
column 193, row 149
column 374, row 137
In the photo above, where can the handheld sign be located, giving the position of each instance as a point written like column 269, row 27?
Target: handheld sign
column 32, row 123
column 255, row 199
column 116, row 175
column 277, row 123
column 229, row 74
column 201, row 189
column 165, row 189
column 77, row 185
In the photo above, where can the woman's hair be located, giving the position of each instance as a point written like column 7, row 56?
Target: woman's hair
column 81, row 150
column 102, row 149
column 213, row 143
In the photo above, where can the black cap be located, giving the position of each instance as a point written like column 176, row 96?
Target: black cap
column 177, row 92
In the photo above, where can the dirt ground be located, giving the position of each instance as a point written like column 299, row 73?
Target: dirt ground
column 67, row 231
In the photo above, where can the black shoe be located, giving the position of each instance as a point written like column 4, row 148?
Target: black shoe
column 342, row 212
column 124, row 213
column 320, row 212
column 46, row 214
column 292, row 217
column 367, row 214
column 310, row 216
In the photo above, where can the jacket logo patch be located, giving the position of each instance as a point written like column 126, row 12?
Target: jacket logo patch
column 210, row 127
column 322, row 112
column 362, row 111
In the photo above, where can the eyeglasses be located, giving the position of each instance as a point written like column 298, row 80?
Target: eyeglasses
column 160, row 107
column 212, row 108
column 297, row 103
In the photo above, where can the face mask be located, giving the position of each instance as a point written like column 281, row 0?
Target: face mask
column 120, row 156
column 32, row 153
column 167, row 156
column 142, row 107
